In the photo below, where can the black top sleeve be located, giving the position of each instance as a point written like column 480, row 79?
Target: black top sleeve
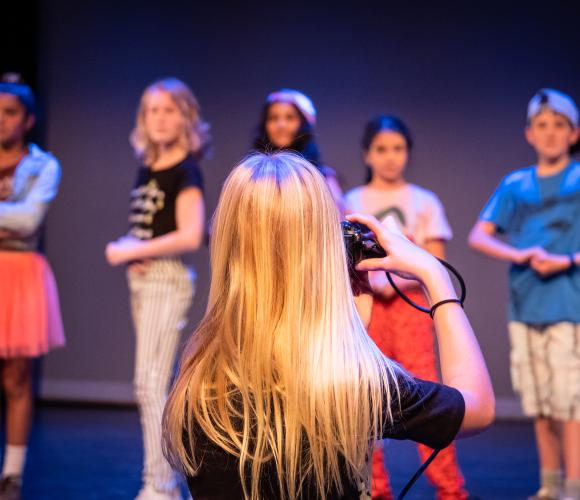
column 429, row 413
column 141, row 177
column 190, row 175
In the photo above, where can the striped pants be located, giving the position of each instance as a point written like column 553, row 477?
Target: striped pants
column 160, row 300
column 406, row 335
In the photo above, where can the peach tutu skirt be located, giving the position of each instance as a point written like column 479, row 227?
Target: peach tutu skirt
column 30, row 320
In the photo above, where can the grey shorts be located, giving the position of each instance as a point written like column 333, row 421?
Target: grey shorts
column 545, row 368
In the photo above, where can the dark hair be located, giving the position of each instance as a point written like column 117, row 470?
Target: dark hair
column 379, row 124
column 11, row 83
column 304, row 143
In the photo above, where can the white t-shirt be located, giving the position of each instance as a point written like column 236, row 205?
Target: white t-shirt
column 418, row 211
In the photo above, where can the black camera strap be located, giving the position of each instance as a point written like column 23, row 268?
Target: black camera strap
column 461, row 282
column 417, row 474
column 448, row 266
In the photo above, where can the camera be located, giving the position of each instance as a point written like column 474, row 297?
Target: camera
column 359, row 245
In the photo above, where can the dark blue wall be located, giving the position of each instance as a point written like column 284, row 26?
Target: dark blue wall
column 459, row 74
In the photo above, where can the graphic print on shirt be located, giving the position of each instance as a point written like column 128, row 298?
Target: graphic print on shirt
column 400, row 218
column 146, row 201
column 396, row 211
column 6, row 181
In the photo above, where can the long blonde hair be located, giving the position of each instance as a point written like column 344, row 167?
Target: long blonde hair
column 280, row 367
column 195, row 136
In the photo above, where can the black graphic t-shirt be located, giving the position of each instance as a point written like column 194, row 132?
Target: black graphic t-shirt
column 152, row 209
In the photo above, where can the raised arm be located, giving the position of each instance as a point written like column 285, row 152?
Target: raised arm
column 380, row 284
column 462, row 363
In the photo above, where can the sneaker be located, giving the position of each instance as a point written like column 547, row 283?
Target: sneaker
column 150, row 493
column 10, row 488
column 569, row 496
column 545, row 494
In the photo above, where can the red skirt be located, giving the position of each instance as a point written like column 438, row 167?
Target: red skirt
column 30, row 320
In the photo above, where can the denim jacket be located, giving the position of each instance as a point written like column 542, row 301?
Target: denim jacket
column 34, row 186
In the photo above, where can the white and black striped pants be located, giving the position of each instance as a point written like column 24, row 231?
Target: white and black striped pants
column 160, row 300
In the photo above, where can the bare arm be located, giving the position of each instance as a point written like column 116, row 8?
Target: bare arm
column 550, row 263
column 462, row 363
column 190, row 217
column 482, row 238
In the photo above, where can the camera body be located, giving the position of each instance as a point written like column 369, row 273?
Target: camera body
column 359, row 245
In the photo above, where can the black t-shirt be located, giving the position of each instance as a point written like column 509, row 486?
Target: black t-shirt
column 430, row 414
column 152, row 209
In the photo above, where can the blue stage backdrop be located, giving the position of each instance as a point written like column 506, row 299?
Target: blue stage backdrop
column 459, row 74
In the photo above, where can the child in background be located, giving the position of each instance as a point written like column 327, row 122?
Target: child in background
column 537, row 208
column 30, row 321
column 167, row 216
column 287, row 121
column 401, row 332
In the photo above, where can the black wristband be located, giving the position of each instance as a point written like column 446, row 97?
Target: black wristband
column 446, row 301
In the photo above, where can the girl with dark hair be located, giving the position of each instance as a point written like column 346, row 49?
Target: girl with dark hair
column 30, row 321
column 399, row 331
column 287, row 122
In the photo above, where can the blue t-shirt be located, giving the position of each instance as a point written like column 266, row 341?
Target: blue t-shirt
column 540, row 211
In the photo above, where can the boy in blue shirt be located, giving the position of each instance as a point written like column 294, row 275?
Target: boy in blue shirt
column 537, row 208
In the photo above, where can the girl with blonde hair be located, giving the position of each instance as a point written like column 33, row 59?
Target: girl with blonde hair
column 281, row 393
column 166, row 220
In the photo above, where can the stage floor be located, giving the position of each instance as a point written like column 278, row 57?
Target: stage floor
column 95, row 453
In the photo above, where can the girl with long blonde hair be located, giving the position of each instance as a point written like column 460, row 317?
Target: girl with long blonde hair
column 281, row 393
column 167, row 217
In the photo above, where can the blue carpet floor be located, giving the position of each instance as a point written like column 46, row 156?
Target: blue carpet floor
column 96, row 453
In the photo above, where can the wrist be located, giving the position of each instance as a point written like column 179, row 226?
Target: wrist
column 429, row 271
column 435, row 306
column 516, row 256
column 438, row 285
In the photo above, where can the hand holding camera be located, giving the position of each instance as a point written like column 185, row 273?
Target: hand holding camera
column 385, row 248
column 371, row 246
